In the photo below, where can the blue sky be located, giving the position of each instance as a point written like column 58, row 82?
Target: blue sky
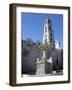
column 32, row 26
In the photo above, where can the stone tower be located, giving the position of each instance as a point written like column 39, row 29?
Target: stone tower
column 48, row 36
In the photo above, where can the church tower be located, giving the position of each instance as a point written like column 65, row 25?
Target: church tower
column 48, row 36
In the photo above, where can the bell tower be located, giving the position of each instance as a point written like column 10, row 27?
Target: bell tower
column 48, row 36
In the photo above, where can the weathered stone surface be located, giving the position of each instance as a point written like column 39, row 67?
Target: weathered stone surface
column 30, row 53
column 44, row 67
column 40, row 68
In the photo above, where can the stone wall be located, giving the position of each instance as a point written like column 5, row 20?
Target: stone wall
column 30, row 53
column 57, row 55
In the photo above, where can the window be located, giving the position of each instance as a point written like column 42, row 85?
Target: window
column 45, row 29
column 51, row 34
column 49, row 21
column 51, row 39
column 49, row 27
